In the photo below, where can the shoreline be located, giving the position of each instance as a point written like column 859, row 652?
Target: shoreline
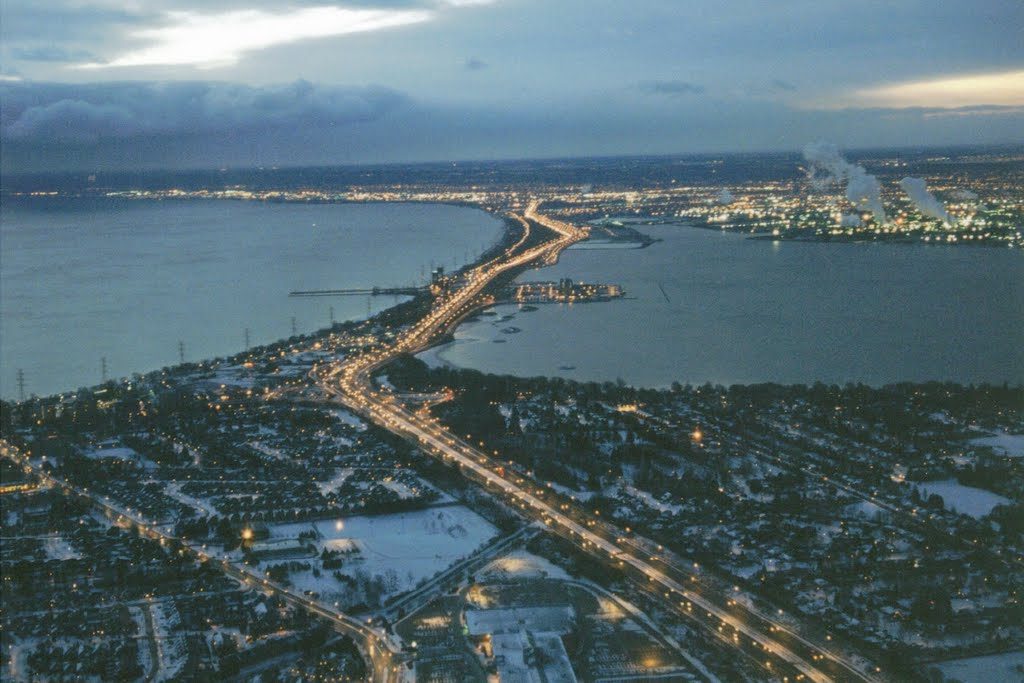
column 411, row 304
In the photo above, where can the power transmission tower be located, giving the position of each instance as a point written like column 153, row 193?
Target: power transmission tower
column 21, row 385
column 103, row 369
column 293, row 326
column 332, row 316
column 181, row 351
column 247, row 339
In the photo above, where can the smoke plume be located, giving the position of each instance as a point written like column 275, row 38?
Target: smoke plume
column 924, row 200
column 827, row 166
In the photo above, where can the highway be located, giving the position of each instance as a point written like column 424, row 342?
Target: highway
column 775, row 646
column 755, row 635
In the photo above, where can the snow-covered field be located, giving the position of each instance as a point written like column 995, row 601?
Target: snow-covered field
column 1007, row 444
column 520, row 564
column 111, row 453
column 1004, row 668
column 966, row 500
column 406, row 547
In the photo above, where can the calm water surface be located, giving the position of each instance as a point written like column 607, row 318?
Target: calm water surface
column 709, row 306
column 126, row 280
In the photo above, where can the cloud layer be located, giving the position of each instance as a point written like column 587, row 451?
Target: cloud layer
column 38, row 113
column 1004, row 89
column 218, row 39
column 201, row 124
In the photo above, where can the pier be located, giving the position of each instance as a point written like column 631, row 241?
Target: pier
column 365, row 291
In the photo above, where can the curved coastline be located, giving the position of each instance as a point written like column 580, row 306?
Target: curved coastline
column 126, row 279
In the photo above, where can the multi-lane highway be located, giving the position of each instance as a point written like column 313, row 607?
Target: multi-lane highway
column 755, row 635
column 773, row 644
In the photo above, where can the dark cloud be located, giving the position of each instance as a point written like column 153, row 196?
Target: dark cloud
column 475, row 64
column 143, row 125
column 671, row 88
column 82, row 114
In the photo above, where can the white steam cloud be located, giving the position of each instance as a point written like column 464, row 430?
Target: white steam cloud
column 827, row 165
column 924, row 200
column 725, row 197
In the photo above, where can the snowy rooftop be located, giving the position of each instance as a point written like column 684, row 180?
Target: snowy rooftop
column 510, row 620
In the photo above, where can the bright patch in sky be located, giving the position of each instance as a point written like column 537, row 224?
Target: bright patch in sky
column 1000, row 89
column 210, row 40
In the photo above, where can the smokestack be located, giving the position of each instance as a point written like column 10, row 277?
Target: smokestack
column 862, row 189
column 924, row 200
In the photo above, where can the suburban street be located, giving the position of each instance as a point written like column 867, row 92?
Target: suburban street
column 774, row 645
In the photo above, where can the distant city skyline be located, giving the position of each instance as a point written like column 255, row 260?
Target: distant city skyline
column 104, row 86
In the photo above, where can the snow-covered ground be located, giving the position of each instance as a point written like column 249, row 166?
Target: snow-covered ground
column 650, row 501
column 170, row 647
column 520, row 564
column 234, row 376
column 406, row 547
column 400, row 489
column 349, row 419
column 1004, row 668
column 515, row 619
column 173, row 490
column 57, row 548
column 966, row 500
column 1007, row 444
column 335, row 481
column 111, row 453
column 572, row 493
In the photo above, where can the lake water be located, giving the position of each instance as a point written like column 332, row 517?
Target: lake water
column 709, row 306
column 84, row 279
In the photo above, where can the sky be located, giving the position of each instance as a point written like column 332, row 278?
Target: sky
column 103, row 85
